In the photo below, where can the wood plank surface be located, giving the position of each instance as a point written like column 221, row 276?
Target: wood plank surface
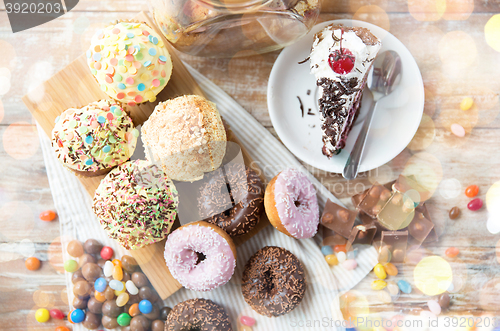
column 40, row 52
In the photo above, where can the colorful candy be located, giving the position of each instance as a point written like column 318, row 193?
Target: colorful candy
column 116, row 285
column 71, row 266
column 117, row 272
column 434, row 307
column 391, row 269
column 392, row 288
column 57, row 314
column 247, row 320
column 452, row 252
column 326, row 250
column 99, row 296
column 471, row 191
column 339, row 248
column 350, row 264
column 123, row 289
column 75, row 248
column 145, row 306
column 404, row 286
column 32, row 263
column 466, row 103
column 134, row 310
column 47, row 215
column 352, row 254
column 475, row 204
column 379, row 271
column 100, row 284
column 122, row 299
column 42, row 315
column 108, row 269
column 131, row 288
column 341, row 257
column 444, row 300
column 123, row 319
column 454, row 213
column 457, row 130
column 62, row 328
column 77, row 316
column 378, row 285
column 107, row 253
column 331, row 259
column 117, row 262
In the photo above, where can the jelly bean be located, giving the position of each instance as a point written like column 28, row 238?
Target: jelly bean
column 384, row 296
column 247, row 320
column 350, row 264
column 471, row 191
column 57, row 314
column 100, row 284
column 32, row 263
column 378, row 284
column 62, row 328
column 107, row 253
column 392, row 288
column 384, row 255
column 454, row 213
column 131, row 288
column 339, row 248
column 116, row 285
column 71, row 266
column 42, row 315
column 327, row 250
column 475, row 204
column 108, row 269
column 391, row 269
column 457, row 130
column 99, row 296
column 117, row 262
column 77, row 316
column 75, row 248
column 145, row 306
column 444, row 300
column 331, row 259
column 352, row 254
column 434, row 307
column 123, row 289
column 452, row 252
column 134, row 310
column 47, row 215
column 466, row 103
column 123, row 319
column 404, row 286
column 122, row 299
column 341, row 257
column 379, row 271
column 117, row 272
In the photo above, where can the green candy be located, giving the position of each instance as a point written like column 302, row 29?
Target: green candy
column 124, row 319
column 71, row 266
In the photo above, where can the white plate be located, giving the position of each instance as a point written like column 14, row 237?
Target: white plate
column 395, row 120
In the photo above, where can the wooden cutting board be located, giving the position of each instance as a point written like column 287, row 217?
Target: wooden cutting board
column 74, row 86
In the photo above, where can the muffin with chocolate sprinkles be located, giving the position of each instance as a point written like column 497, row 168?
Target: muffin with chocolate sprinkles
column 273, row 282
column 136, row 204
column 198, row 314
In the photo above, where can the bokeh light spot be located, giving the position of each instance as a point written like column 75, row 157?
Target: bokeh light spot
column 433, row 275
column 492, row 32
column 55, row 254
column 427, row 10
column 43, row 299
column 353, row 304
column 489, row 294
column 425, row 35
column 427, row 170
column 458, row 10
column 2, row 112
column 5, row 77
column 8, row 54
column 457, row 51
column 425, row 134
column 20, row 141
column 23, row 217
column 493, row 207
column 373, row 14
column 450, row 188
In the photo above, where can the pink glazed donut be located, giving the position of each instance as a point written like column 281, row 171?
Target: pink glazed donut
column 201, row 256
column 291, row 204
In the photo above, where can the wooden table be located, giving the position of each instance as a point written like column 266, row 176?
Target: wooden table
column 455, row 62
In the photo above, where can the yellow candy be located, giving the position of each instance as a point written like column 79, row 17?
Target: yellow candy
column 117, row 272
column 122, row 69
column 144, row 76
column 117, row 293
column 378, row 285
column 466, row 103
column 391, row 269
column 42, row 315
column 331, row 259
column 122, row 299
column 380, row 271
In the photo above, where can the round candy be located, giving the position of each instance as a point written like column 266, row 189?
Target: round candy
column 466, row 103
column 75, row 248
column 57, row 314
column 350, row 264
column 91, row 271
column 326, row 250
column 475, row 204
column 404, row 286
column 379, row 271
column 391, row 269
column 99, row 296
column 129, row 263
column 32, row 263
column 71, row 266
column 452, row 252
column 131, row 288
column 341, row 256
column 134, row 310
column 107, row 253
column 62, row 328
column 92, row 246
column 164, row 312
column 331, row 259
column 145, row 306
column 378, row 284
column 434, row 307
column 42, row 315
column 454, row 213
column 471, row 191
column 100, row 284
column 339, row 248
column 247, row 320
column 123, row 319
column 77, row 316
column 47, row 215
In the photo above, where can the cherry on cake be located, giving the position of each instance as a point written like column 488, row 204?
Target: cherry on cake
column 341, row 58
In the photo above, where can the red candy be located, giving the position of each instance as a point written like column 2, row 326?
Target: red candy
column 107, row 253
column 471, row 191
column 47, row 215
column 452, row 252
column 247, row 320
column 341, row 62
column 339, row 248
column 475, row 204
column 57, row 314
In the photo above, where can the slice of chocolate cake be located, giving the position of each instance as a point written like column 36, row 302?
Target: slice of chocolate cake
column 340, row 59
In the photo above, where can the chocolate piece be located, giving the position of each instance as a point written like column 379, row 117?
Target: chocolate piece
column 398, row 212
column 109, row 308
column 273, row 281
column 454, row 213
column 139, row 279
column 77, row 276
column 92, row 321
column 154, row 314
column 357, row 198
column 375, row 200
column 92, row 246
column 419, row 228
column 361, row 235
column 164, row 313
column 139, row 323
column 157, row 325
column 79, row 303
column 109, row 322
column 395, row 242
column 129, row 264
column 146, row 293
column 338, row 219
column 94, row 306
column 198, row 314
column 91, row 271
column 432, row 237
column 86, row 258
column 330, row 238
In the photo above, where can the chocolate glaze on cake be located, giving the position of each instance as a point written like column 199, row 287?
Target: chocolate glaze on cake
column 198, row 314
column 273, row 281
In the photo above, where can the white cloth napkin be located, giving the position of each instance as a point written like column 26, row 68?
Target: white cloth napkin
column 319, row 309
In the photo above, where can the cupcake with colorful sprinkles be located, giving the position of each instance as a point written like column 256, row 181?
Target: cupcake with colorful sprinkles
column 93, row 139
column 136, row 204
column 130, row 62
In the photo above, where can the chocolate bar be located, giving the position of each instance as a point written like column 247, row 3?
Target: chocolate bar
column 405, row 184
column 396, row 242
column 362, row 235
column 338, row 219
column 397, row 213
column 330, row 238
column 375, row 200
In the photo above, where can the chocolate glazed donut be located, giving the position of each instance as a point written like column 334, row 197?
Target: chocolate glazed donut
column 198, row 314
column 273, row 281
column 245, row 187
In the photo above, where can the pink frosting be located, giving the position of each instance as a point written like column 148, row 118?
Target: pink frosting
column 181, row 257
column 296, row 203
